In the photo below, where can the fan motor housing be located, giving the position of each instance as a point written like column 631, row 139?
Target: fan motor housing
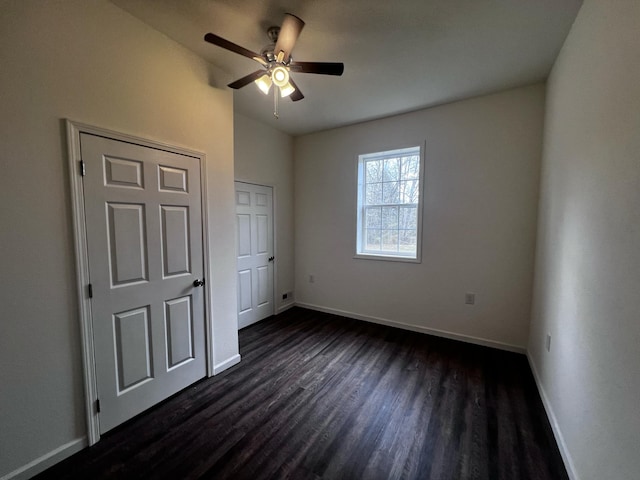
column 267, row 52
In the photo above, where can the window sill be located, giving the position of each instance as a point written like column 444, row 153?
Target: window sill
column 386, row 258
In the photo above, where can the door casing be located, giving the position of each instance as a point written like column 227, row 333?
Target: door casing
column 74, row 129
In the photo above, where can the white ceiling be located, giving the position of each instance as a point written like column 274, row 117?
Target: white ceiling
column 399, row 55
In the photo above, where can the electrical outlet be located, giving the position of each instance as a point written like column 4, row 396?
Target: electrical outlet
column 285, row 296
column 470, row 298
column 312, row 278
column 547, row 342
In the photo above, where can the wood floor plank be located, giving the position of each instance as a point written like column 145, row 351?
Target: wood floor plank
column 322, row 397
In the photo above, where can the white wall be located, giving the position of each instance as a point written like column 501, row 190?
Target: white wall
column 588, row 260
column 264, row 155
column 94, row 63
column 481, row 194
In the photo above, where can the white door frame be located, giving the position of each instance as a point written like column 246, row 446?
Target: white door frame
column 74, row 129
column 275, row 243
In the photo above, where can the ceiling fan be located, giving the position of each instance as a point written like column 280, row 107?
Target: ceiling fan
column 277, row 61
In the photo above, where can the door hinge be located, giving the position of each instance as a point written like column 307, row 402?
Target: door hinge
column 97, row 405
column 83, row 170
column 90, row 289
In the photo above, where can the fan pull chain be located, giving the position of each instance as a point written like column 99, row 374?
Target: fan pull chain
column 275, row 102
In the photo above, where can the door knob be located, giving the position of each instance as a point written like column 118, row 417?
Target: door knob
column 198, row 283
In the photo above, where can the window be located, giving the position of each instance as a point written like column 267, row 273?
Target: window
column 389, row 205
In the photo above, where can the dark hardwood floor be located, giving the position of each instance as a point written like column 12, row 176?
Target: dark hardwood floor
column 318, row 396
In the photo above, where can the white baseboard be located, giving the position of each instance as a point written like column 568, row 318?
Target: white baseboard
column 557, row 433
column 47, row 460
column 228, row 363
column 417, row 328
column 285, row 307
column 40, row 464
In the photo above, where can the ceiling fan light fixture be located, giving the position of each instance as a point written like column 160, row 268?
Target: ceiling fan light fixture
column 264, row 83
column 287, row 90
column 276, row 62
column 280, row 76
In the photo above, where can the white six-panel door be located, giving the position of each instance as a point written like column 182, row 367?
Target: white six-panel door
column 144, row 239
column 254, row 220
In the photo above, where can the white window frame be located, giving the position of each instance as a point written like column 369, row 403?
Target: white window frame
column 361, row 253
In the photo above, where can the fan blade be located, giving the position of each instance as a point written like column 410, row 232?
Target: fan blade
column 322, row 68
column 241, row 82
column 297, row 94
column 289, row 32
column 227, row 45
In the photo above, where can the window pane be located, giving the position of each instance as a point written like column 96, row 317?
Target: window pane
column 407, row 240
column 372, row 239
column 374, row 217
column 391, row 192
column 390, row 240
column 391, row 169
column 411, row 167
column 390, row 218
column 409, row 191
column 374, row 194
column 373, row 171
column 408, row 218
